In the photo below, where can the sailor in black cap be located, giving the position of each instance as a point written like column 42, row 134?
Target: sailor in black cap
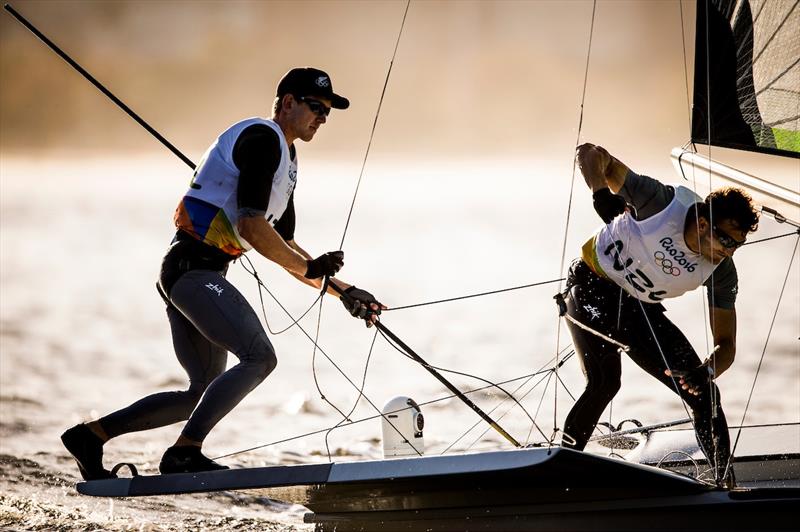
column 241, row 197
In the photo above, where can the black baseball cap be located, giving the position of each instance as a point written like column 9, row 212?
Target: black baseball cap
column 309, row 81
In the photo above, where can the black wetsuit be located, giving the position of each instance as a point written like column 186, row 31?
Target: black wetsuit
column 602, row 305
column 208, row 316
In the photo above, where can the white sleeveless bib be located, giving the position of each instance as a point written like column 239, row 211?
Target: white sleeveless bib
column 650, row 258
column 209, row 209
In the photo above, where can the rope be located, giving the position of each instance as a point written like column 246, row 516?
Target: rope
column 314, row 367
column 569, row 206
column 548, row 376
column 663, row 356
column 346, row 417
column 374, row 125
column 597, row 333
column 333, row 363
column 341, row 245
column 474, row 295
column 380, row 415
column 463, row 374
column 685, row 66
column 706, row 317
column 252, row 271
column 793, row 233
column 761, row 359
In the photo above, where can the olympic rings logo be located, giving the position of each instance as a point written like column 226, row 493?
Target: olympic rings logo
column 666, row 264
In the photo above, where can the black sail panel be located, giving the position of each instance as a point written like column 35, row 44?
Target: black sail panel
column 747, row 75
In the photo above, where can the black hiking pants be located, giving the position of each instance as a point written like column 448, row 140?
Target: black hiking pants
column 656, row 345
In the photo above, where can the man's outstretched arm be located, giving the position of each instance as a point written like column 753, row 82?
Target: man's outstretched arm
column 266, row 240
column 600, row 169
column 364, row 305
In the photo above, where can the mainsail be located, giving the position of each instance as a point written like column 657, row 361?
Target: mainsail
column 747, row 96
column 747, row 75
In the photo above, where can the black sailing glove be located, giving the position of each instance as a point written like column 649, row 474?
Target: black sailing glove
column 608, row 205
column 695, row 380
column 327, row 264
column 359, row 303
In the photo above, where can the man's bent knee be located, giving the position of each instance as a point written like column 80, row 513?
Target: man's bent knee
column 605, row 390
column 261, row 356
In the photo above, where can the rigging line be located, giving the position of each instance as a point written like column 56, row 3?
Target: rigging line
column 22, row 20
column 539, row 404
column 552, row 371
column 706, row 318
column 358, row 398
column 763, row 353
column 793, row 233
column 504, row 400
column 353, row 202
column 666, row 365
column 685, row 66
column 530, row 377
column 371, row 418
column 541, row 399
column 546, row 377
column 475, row 295
column 254, row 273
column 463, row 374
column 314, row 364
column 149, row 129
column 360, row 391
column 569, row 203
column 333, row 363
column 438, row 376
column 566, row 389
column 374, row 125
column 558, row 379
column 598, row 333
column 712, row 292
column 788, row 91
column 653, row 334
column 158, row 136
column 548, row 374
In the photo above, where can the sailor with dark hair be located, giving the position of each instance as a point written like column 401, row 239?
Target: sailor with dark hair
column 241, row 198
column 659, row 242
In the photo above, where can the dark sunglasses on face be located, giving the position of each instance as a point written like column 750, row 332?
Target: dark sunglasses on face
column 316, row 106
column 726, row 240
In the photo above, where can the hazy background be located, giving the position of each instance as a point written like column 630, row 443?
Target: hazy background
column 465, row 190
column 493, row 79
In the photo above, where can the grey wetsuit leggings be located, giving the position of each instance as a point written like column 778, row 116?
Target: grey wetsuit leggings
column 208, row 317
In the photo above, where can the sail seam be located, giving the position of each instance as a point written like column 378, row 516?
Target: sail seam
column 785, row 120
column 779, row 76
column 772, row 37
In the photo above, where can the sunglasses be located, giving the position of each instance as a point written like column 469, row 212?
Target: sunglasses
column 316, row 106
column 726, row 240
